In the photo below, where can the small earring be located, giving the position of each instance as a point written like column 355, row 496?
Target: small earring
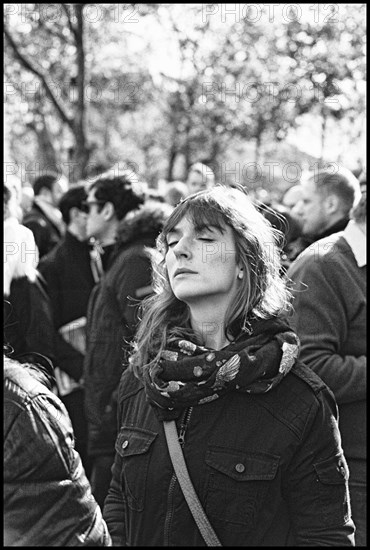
column 240, row 275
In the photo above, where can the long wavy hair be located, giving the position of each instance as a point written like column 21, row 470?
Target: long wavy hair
column 262, row 293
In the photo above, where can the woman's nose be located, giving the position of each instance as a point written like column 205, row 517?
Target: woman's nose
column 182, row 248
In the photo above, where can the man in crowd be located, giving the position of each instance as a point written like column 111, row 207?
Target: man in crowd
column 326, row 201
column 110, row 198
column 329, row 313
column 291, row 197
column 117, row 216
column 44, row 218
column 69, row 278
column 200, row 176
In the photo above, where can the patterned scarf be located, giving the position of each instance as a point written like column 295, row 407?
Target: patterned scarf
column 188, row 374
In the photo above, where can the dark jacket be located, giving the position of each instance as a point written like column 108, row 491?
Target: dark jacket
column 329, row 316
column 298, row 245
column 268, row 469
column 47, row 497
column 28, row 320
column 112, row 320
column 69, row 278
column 46, row 233
column 340, row 225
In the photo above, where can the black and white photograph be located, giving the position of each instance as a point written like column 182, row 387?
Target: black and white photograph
column 184, row 313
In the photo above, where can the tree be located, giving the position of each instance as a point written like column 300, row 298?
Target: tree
column 55, row 50
column 63, row 35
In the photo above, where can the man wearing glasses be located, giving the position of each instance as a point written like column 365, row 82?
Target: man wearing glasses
column 110, row 315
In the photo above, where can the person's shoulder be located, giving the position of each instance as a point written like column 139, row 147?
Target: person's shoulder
column 297, row 397
column 133, row 259
column 51, row 258
column 312, row 382
column 35, row 216
column 319, row 255
column 321, row 248
column 23, row 382
column 129, row 385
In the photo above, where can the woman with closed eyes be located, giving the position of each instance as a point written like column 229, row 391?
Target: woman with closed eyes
column 257, row 428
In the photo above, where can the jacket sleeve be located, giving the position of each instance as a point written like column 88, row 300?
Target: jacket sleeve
column 40, row 232
column 68, row 358
column 317, row 481
column 320, row 318
column 47, row 497
column 114, row 506
column 40, row 330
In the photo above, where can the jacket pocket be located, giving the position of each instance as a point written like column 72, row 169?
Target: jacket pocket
column 332, row 477
column 133, row 445
column 238, row 484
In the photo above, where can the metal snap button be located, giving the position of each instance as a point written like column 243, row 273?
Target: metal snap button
column 197, row 371
column 240, row 468
column 124, row 444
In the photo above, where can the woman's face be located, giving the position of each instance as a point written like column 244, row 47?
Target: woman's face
column 201, row 264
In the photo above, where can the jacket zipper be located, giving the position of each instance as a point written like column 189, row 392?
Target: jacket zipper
column 184, row 425
column 169, row 514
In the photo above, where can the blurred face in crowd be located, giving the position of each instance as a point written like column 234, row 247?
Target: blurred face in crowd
column 311, row 209
column 292, row 196
column 96, row 223
column 200, row 177
column 27, row 198
column 79, row 218
column 196, row 181
column 60, row 187
column 201, row 264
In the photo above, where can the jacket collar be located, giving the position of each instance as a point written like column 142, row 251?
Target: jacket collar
column 357, row 241
column 51, row 213
column 145, row 222
column 335, row 228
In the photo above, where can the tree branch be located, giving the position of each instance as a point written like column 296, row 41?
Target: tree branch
column 42, row 25
column 69, row 20
column 27, row 64
column 79, row 39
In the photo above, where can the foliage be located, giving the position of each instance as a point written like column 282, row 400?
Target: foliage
column 161, row 86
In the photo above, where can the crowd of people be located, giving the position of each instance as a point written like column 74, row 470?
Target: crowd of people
column 239, row 325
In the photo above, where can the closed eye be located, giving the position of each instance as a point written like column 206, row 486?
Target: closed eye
column 172, row 243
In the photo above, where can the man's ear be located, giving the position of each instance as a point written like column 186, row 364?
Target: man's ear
column 73, row 213
column 108, row 211
column 332, row 204
column 45, row 193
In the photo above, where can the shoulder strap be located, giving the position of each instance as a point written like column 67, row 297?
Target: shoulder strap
column 186, row 485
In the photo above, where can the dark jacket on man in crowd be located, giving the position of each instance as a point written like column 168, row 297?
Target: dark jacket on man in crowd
column 68, row 274
column 46, row 232
column 330, row 317
column 112, row 319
